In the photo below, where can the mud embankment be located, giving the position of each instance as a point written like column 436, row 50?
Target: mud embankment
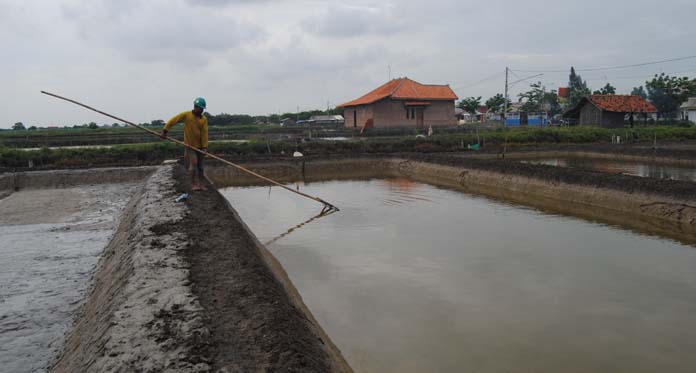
column 653, row 206
column 256, row 317
column 11, row 181
column 186, row 287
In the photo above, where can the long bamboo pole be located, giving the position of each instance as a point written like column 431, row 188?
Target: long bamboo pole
column 327, row 206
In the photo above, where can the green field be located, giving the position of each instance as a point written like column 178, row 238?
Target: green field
column 153, row 153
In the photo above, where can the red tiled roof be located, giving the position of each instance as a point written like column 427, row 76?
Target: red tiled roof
column 622, row 103
column 405, row 89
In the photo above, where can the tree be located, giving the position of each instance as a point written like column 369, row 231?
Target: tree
column 157, row 123
column 538, row 99
column 496, row 103
column 668, row 92
column 470, row 104
column 19, row 126
column 577, row 88
column 606, row 90
column 32, row 128
column 92, row 125
column 639, row 91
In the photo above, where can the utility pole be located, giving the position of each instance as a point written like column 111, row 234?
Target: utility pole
column 505, row 105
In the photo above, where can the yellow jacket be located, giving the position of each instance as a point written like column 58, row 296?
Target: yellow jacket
column 195, row 129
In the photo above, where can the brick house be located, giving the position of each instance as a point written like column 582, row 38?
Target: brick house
column 402, row 103
column 609, row 110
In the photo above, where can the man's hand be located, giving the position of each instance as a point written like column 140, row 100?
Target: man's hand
column 164, row 134
column 205, row 150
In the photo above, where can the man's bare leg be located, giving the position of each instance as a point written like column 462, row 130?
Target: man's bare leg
column 193, row 169
column 194, row 180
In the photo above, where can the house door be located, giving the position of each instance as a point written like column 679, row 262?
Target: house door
column 419, row 117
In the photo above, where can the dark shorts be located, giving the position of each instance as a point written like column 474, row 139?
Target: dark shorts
column 193, row 160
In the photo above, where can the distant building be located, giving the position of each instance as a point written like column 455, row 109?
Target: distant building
column 481, row 115
column 609, row 110
column 327, row 119
column 402, row 103
column 688, row 110
column 287, row 122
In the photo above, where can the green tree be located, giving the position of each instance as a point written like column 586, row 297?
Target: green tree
column 470, row 104
column 639, row 91
column 606, row 90
column 18, row 126
column 532, row 98
column 538, row 99
column 496, row 103
column 92, row 126
column 668, row 92
column 157, row 123
column 577, row 88
column 32, row 128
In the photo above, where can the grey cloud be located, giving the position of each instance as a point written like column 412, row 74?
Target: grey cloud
column 345, row 21
column 219, row 3
column 164, row 32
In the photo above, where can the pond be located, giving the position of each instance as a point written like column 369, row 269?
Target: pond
column 643, row 169
column 409, row 277
column 51, row 241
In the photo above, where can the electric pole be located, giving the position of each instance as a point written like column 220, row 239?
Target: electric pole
column 505, row 105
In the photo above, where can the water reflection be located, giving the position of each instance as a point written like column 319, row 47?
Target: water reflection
column 408, row 277
column 654, row 170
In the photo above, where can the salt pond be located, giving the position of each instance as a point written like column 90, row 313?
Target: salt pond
column 408, row 277
column 50, row 242
column 643, row 169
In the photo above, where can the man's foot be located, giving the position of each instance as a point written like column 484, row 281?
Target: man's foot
column 197, row 187
column 202, row 187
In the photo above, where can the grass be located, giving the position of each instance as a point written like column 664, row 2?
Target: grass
column 154, row 153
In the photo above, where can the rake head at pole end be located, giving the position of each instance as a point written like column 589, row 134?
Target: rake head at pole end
column 328, row 207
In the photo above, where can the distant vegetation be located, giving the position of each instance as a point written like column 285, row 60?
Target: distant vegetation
column 148, row 154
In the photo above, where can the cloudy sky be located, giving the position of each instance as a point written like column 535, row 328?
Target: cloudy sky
column 146, row 60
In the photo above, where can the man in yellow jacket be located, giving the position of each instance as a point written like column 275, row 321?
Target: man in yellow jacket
column 196, row 135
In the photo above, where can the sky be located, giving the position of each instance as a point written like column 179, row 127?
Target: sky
column 146, row 60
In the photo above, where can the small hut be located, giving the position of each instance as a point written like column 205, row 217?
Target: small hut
column 609, row 110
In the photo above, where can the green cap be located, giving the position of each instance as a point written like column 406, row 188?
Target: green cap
column 200, row 102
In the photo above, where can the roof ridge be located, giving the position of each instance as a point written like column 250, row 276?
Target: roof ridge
column 401, row 82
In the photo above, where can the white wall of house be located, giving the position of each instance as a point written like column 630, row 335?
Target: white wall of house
column 689, row 114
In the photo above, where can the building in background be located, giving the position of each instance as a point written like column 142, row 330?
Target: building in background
column 609, row 110
column 402, row 102
column 323, row 120
column 688, row 110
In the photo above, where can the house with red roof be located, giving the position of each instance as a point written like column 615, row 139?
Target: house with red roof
column 402, row 102
column 609, row 110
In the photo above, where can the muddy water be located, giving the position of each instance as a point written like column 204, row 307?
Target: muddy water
column 411, row 278
column 654, row 170
column 50, row 243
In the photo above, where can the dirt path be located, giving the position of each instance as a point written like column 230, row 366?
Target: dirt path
column 257, row 321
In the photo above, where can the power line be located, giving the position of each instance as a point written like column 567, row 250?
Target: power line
column 523, row 79
column 479, row 81
column 611, row 67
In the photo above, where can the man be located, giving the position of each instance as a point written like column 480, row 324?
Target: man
column 195, row 135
